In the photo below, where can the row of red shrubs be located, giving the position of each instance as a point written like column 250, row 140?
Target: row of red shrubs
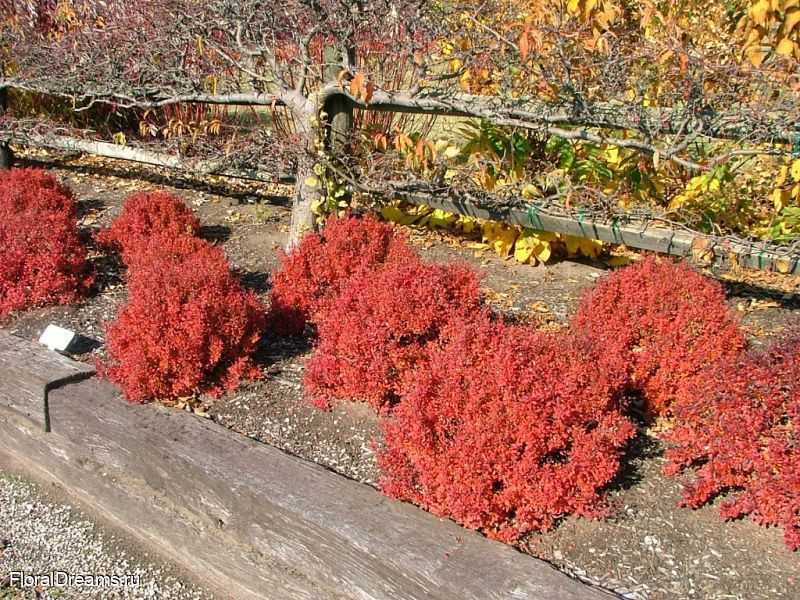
column 506, row 429
column 498, row 426
column 501, row 427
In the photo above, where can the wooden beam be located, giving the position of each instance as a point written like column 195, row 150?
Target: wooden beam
column 695, row 247
column 250, row 521
column 143, row 156
column 29, row 372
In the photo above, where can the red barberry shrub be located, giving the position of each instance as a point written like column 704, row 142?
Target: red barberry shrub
column 316, row 271
column 147, row 214
column 380, row 326
column 665, row 321
column 35, row 188
column 188, row 327
column 42, row 259
column 737, row 428
column 505, row 430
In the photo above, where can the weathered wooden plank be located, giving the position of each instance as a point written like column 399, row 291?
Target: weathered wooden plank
column 29, row 371
column 253, row 522
column 144, row 156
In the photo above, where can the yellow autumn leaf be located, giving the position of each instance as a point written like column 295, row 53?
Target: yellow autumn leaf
column 419, row 210
column 573, row 7
column 545, row 236
column 578, row 246
column 792, row 19
column 500, row 237
column 543, row 252
column 395, row 215
column 525, row 246
column 477, row 246
column 534, row 244
column 779, row 199
column 465, row 80
column 677, row 202
column 530, row 191
column 783, row 173
column 756, row 56
column 785, row 47
column 618, row 261
column 612, row 155
column 316, row 207
column 796, row 171
column 451, row 151
column 592, row 248
column 573, row 244
column 784, row 266
column 759, row 12
column 467, row 224
column 442, row 219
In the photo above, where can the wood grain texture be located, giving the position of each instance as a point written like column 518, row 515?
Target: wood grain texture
column 28, row 371
column 251, row 521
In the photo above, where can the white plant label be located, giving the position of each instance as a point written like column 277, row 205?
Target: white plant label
column 57, row 338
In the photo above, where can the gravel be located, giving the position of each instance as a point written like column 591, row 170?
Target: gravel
column 39, row 536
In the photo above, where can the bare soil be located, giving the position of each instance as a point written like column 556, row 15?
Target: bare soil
column 648, row 549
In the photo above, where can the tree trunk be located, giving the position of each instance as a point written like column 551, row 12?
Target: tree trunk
column 308, row 190
column 337, row 129
column 340, row 120
column 6, row 155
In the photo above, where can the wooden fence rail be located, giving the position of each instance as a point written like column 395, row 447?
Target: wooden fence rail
column 696, row 247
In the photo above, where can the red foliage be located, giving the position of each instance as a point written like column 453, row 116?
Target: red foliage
column 42, row 260
column 738, row 428
column 381, row 325
column 505, row 430
column 144, row 215
column 665, row 321
column 316, row 271
column 188, row 327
